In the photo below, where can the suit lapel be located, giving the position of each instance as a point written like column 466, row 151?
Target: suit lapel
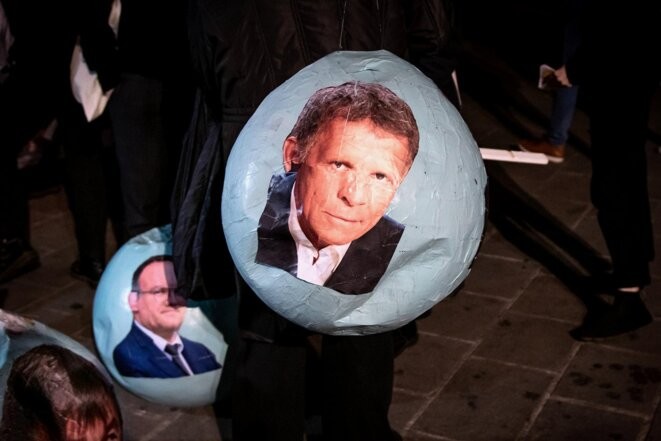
column 154, row 359
column 276, row 246
column 366, row 259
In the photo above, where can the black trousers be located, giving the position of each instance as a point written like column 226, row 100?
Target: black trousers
column 91, row 179
column 28, row 103
column 618, row 123
column 353, row 388
column 148, row 137
column 14, row 214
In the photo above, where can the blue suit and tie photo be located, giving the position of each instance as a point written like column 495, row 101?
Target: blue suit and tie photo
column 138, row 356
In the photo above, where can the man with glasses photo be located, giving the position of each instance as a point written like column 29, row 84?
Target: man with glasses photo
column 154, row 348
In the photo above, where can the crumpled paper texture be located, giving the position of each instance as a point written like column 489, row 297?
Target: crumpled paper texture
column 441, row 201
column 112, row 318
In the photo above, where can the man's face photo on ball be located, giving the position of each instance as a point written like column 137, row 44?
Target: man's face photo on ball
column 150, row 303
column 325, row 218
column 347, row 179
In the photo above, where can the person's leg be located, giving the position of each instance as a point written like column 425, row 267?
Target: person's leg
column 565, row 98
column 13, row 199
column 86, row 189
column 357, row 387
column 115, row 206
column 618, row 123
column 562, row 114
column 619, row 182
column 268, row 393
column 141, row 142
column 18, row 123
column 16, row 254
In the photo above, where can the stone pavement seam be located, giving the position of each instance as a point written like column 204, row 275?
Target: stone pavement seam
column 435, row 393
column 516, row 365
column 604, row 407
column 542, row 317
column 546, row 396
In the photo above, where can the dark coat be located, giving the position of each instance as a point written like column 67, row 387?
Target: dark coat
column 241, row 51
column 364, row 263
column 45, row 33
column 35, row 85
column 138, row 356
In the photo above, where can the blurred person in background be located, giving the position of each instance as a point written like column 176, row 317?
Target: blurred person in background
column 618, row 67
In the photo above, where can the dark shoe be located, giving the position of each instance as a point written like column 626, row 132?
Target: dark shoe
column 16, row 258
column 627, row 313
column 554, row 152
column 87, row 270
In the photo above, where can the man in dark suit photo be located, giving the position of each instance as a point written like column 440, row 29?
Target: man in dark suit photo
column 347, row 154
column 153, row 347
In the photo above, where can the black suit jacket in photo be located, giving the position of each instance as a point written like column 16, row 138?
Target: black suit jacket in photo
column 363, row 264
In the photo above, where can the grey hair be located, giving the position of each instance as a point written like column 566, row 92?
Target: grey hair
column 355, row 101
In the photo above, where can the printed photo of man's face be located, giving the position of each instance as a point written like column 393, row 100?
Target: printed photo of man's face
column 151, row 302
column 348, row 179
column 325, row 217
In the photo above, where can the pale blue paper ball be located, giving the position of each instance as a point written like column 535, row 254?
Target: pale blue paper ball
column 112, row 318
column 441, row 201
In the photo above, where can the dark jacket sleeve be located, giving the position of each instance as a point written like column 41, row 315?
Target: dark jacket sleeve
column 618, row 44
column 202, row 260
column 433, row 42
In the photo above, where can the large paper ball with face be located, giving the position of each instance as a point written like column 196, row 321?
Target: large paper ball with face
column 148, row 339
column 354, row 198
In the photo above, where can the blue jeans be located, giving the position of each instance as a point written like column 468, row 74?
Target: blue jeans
column 564, row 99
column 562, row 114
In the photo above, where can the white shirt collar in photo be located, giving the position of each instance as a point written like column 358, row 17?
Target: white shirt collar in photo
column 314, row 266
column 160, row 343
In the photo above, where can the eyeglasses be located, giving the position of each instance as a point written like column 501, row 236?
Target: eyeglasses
column 162, row 291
